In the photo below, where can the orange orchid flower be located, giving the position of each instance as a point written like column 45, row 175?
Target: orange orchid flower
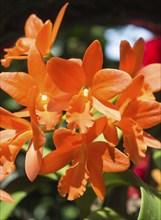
column 136, row 114
column 131, row 59
column 88, row 160
column 4, row 196
column 17, row 132
column 37, row 33
column 88, row 85
column 33, row 90
column 17, row 85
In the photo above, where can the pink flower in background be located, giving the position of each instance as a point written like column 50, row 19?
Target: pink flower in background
column 152, row 51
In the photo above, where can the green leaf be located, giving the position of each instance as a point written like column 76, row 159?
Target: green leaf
column 7, row 208
column 19, row 189
column 105, row 214
column 157, row 158
column 84, row 202
column 150, row 198
column 127, row 178
column 150, row 204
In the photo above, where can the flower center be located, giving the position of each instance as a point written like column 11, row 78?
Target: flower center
column 85, row 92
column 42, row 101
column 44, row 97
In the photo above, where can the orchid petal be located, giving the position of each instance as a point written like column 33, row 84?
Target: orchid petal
column 14, row 52
column 138, row 49
column 131, row 59
column 92, row 61
column 23, row 57
column 96, row 129
column 65, row 138
column 95, row 153
column 31, row 101
column 60, row 102
column 70, row 72
column 36, row 67
column 10, row 121
column 57, row 24
column 151, row 141
column 4, row 196
column 78, row 102
column 16, row 84
column 79, row 114
column 50, row 87
column 110, row 134
column 82, row 121
column 133, row 137
column 22, row 113
column 8, row 57
column 23, row 44
column 17, row 143
column 152, row 76
column 107, row 83
column 11, row 147
column 6, row 167
column 6, row 135
column 33, row 26
column 57, row 159
column 74, row 181
column 146, row 93
column 43, row 38
column 129, row 94
column 77, row 60
column 107, row 109
column 49, row 119
column 145, row 113
column 5, row 151
column 114, row 160
column 127, row 57
column 38, row 135
column 9, row 151
column 33, row 161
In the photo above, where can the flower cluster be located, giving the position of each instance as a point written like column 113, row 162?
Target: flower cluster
column 92, row 101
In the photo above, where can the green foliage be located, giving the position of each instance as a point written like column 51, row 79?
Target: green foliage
column 150, row 198
column 157, row 158
column 105, row 214
column 7, row 208
column 150, row 205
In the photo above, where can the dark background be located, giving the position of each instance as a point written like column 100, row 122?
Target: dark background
column 13, row 14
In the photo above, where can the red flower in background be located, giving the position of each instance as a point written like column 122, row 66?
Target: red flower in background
column 152, row 51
